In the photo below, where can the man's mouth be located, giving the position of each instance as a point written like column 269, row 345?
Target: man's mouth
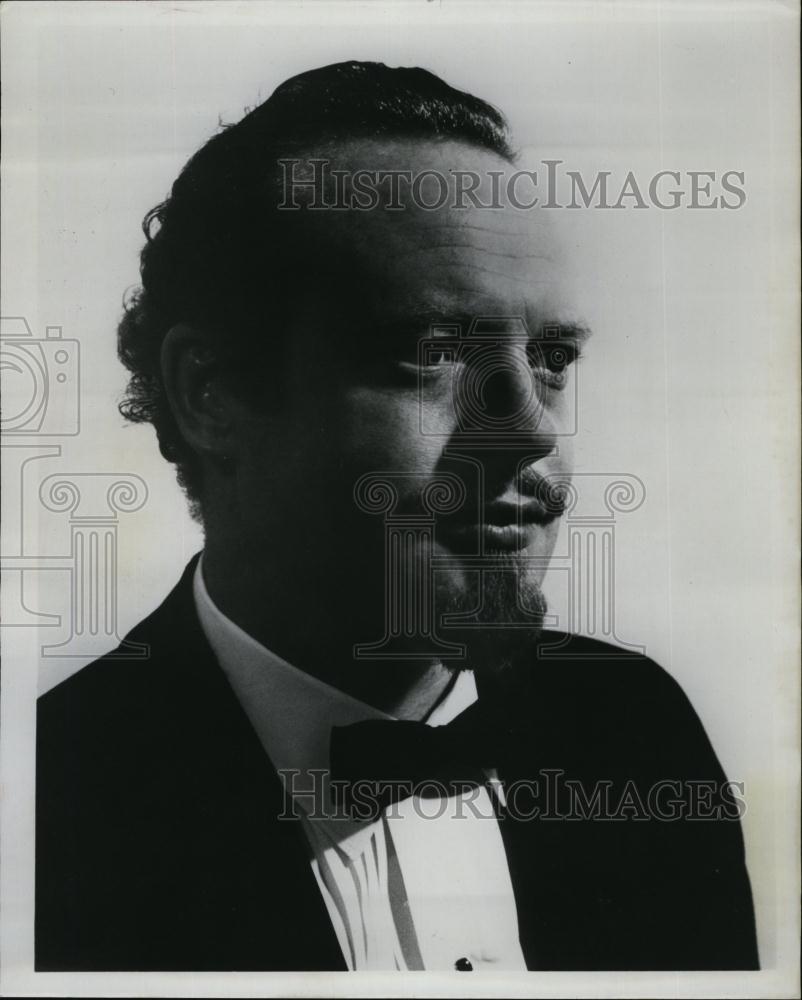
column 502, row 513
column 508, row 525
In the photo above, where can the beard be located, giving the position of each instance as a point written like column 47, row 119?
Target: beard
column 497, row 615
column 410, row 614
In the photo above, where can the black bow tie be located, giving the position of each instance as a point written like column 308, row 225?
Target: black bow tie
column 381, row 761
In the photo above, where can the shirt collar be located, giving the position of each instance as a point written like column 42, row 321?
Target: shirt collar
column 291, row 711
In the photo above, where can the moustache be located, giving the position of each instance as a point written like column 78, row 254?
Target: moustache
column 527, row 497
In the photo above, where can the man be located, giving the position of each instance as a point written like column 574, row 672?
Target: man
column 353, row 745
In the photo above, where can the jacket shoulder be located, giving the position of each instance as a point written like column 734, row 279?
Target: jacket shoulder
column 614, row 704
column 604, row 668
column 112, row 693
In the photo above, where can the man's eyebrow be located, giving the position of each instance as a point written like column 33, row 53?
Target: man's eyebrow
column 429, row 320
column 579, row 332
column 422, row 321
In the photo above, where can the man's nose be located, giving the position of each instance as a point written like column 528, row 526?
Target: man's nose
column 499, row 396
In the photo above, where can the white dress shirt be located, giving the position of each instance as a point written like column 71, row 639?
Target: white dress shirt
column 424, row 885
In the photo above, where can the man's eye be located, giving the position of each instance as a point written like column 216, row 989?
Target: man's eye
column 429, row 359
column 551, row 361
column 436, row 357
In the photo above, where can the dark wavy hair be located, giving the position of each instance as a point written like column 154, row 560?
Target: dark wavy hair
column 216, row 252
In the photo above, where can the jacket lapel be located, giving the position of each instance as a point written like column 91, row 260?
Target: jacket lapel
column 247, row 892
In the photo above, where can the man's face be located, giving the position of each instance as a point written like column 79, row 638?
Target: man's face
column 400, row 480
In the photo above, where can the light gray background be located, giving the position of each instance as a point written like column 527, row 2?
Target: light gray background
column 689, row 383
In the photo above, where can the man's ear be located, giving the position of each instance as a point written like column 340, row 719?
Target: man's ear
column 199, row 395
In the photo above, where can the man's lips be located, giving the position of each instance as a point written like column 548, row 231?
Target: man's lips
column 500, row 524
column 506, row 512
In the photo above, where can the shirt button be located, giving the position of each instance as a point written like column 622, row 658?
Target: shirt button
column 463, row 965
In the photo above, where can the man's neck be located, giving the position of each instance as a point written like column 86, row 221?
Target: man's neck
column 315, row 636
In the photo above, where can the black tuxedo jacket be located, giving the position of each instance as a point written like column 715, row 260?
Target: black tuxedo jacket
column 158, row 845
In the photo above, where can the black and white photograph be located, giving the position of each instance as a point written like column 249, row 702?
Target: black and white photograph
column 400, row 465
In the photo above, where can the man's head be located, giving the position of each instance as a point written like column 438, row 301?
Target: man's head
column 289, row 356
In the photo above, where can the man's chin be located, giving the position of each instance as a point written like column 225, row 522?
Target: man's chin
column 498, row 618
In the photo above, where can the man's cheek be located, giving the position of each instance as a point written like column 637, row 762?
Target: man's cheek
column 386, row 432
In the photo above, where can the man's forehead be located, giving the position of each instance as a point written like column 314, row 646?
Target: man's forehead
column 449, row 186
column 454, row 259
column 448, row 270
column 519, row 241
